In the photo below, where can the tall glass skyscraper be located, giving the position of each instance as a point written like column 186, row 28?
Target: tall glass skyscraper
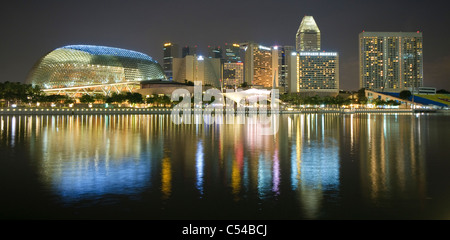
column 171, row 51
column 390, row 61
column 308, row 35
column 232, row 53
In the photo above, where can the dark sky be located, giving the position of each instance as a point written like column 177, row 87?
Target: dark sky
column 30, row 29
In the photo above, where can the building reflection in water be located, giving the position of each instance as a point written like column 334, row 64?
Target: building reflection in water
column 393, row 165
column 85, row 157
column 95, row 156
column 166, row 178
column 314, row 159
column 199, row 165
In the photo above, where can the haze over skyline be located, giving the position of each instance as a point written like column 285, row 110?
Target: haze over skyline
column 32, row 29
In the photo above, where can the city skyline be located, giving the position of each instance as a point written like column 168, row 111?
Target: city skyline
column 214, row 113
column 39, row 28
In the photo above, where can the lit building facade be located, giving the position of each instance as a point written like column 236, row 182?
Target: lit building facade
column 86, row 65
column 390, row 61
column 283, row 63
column 308, row 35
column 233, row 74
column 232, row 53
column 258, row 63
column 292, row 70
column 318, row 73
column 193, row 68
column 170, row 52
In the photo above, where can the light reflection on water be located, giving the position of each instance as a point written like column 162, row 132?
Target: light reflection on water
column 87, row 157
column 93, row 157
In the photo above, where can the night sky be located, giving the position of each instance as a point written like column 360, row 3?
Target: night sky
column 31, row 29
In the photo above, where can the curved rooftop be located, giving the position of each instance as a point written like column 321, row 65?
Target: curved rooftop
column 308, row 35
column 85, row 65
column 111, row 51
column 308, row 24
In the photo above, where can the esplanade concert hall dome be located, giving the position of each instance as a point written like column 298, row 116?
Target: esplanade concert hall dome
column 87, row 65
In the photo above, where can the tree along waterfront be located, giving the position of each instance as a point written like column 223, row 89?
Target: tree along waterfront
column 18, row 94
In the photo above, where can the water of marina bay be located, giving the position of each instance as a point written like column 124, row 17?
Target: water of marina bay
column 317, row 166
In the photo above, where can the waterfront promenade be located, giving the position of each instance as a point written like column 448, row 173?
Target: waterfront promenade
column 84, row 111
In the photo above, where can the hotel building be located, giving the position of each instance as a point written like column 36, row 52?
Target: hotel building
column 318, row 73
column 390, row 61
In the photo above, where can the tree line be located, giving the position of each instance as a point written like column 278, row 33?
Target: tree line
column 296, row 99
column 21, row 94
column 15, row 93
column 338, row 101
column 18, row 93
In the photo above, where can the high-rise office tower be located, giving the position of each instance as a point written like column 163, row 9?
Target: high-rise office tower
column 214, row 52
column 258, row 69
column 318, row 73
column 171, row 51
column 197, row 68
column 390, row 61
column 233, row 74
column 292, row 70
column 284, row 53
column 232, row 53
column 308, row 35
column 232, row 66
column 188, row 50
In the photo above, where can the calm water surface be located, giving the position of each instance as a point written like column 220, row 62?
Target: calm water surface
column 318, row 166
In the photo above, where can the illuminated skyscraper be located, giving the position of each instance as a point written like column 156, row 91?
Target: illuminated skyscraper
column 283, row 63
column 390, row 61
column 232, row 53
column 171, row 51
column 308, row 35
column 258, row 69
column 232, row 66
column 317, row 72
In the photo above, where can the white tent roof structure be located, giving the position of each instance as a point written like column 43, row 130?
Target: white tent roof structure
column 248, row 94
